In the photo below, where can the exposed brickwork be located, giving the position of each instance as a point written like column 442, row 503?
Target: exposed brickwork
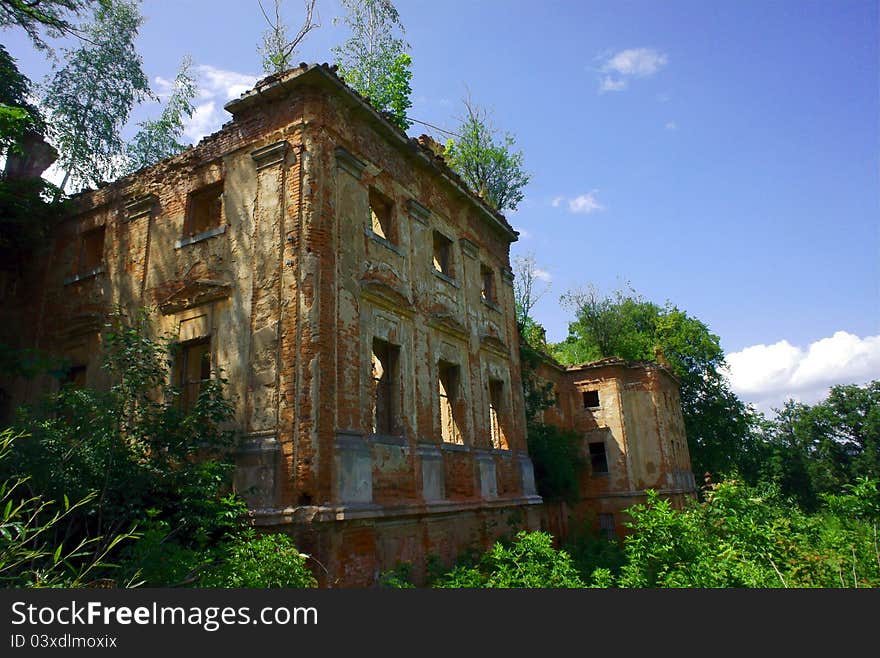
column 291, row 287
column 639, row 424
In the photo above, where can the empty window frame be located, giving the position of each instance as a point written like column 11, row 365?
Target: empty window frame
column 487, row 280
column 382, row 217
column 205, row 210
column 75, row 376
column 91, row 251
column 192, row 370
column 598, row 457
column 442, row 254
column 385, row 387
column 606, row 526
column 591, row 399
column 447, row 389
column 496, row 407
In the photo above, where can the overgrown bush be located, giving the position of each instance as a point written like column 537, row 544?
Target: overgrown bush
column 556, row 455
column 151, row 463
column 743, row 536
column 590, row 551
column 529, row 561
column 31, row 555
column 265, row 560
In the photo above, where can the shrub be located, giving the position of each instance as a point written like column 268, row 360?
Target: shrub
column 266, row 560
column 30, row 553
column 529, row 561
column 556, row 455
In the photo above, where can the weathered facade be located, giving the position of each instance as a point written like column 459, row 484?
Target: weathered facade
column 357, row 297
column 628, row 416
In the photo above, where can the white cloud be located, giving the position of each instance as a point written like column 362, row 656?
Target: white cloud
column 206, row 118
column 163, row 86
column 215, row 88
column 610, row 84
column 523, row 233
column 618, row 68
column 671, row 125
column 543, row 275
column 769, row 374
column 585, row 203
column 219, row 82
column 636, row 62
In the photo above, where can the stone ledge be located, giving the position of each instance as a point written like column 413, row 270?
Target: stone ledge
column 198, row 237
column 329, row 513
column 89, row 274
column 445, row 277
column 385, row 242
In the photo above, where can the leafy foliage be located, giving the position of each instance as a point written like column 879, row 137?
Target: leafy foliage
column 160, row 138
column 28, row 555
column 374, row 61
column 743, row 536
column 721, row 430
column 556, row 455
column 529, row 561
column 51, row 16
column 266, row 560
column 18, row 114
column 92, row 95
column 486, row 161
column 812, row 450
column 147, row 458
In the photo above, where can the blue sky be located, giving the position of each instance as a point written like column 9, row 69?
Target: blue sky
column 722, row 155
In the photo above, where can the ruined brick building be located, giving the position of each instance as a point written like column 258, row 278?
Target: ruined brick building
column 357, row 297
column 628, row 417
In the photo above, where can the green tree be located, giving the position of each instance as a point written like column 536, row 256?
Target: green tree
column 37, row 16
column 92, row 95
column 822, row 448
column 160, row 138
column 487, row 161
column 17, row 114
column 25, row 213
column 753, row 536
column 374, row 61
column 721, row 430
column 277, row 48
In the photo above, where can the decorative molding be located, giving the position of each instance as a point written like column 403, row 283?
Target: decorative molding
column 468, row 248
column 507, row 275
column 445, row 321
column 494, row 344
column 418, row 212
column 140, row 206
column 349, row 163
column 195, row 293
column 270, row 155
column 83, row 324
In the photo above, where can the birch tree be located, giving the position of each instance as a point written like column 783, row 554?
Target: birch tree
column 161, row 138
column 277, row 49
column 374, row 60
column 92, row 95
